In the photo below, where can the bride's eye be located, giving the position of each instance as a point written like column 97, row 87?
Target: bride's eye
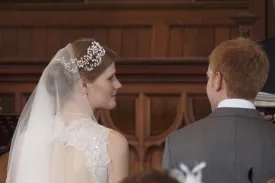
column 112, row 77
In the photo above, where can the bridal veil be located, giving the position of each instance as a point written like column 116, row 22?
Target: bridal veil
column 33, row 157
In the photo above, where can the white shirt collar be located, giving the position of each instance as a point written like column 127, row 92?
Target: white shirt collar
column 237, row 103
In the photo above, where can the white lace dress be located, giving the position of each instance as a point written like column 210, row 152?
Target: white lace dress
column 80, row 153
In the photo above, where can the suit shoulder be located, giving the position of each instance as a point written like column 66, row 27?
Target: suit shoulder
column 188, row 130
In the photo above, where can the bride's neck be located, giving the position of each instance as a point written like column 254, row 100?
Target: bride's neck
column 71, row 107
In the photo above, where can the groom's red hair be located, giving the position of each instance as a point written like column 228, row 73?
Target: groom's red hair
column 244, row 66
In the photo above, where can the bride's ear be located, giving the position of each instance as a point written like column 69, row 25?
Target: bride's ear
column 83, row 83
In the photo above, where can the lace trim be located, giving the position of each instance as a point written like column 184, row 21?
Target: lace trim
column 92, row 139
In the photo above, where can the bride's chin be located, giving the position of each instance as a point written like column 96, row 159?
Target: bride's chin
column 112, row 104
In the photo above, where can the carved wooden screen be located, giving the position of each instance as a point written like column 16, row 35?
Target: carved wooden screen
column 150, row 115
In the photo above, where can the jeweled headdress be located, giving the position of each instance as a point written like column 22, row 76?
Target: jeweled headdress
column 88, row 62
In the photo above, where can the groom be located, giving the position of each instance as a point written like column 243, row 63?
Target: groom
column 236, row 143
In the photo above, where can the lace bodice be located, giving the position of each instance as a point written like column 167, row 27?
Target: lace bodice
column 90, row 138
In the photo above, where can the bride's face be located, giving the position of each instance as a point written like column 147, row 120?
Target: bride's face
column 102, row 91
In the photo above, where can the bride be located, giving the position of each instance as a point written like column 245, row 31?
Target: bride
column 58, row 139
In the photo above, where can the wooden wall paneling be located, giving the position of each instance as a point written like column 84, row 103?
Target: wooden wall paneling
column 159, row 31
column 101, row 35
column 14, row 96
column 115, row 39
column 176, row 41
column 129, row 42
column 162, row 109
column 9, row 42
column 39, row 43
column 173, row 119
column 7, row 102
column 44, row 43
column 159, row 40
column 23, row 44
column 152, row 25
column 144, row 42
column 234, row 32
column 68, row 35
column 41, row 1
column 258, row 28
column 85, row 32
column 125, row 113
column 156, row 115
column 1, row 42
column 199, row 106
column 17, row 103
column 54, row 41
column 191, row 42
column 245, row 22
column 194, row 41
column 222, row 33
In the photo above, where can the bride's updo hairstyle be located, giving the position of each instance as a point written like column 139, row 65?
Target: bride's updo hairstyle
column 88, row 61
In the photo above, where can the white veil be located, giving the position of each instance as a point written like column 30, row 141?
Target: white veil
column 60, row 84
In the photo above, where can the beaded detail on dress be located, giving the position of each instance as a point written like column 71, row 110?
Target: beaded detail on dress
column 90, row 138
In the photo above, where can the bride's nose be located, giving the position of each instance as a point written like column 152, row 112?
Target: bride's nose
column 117, row 84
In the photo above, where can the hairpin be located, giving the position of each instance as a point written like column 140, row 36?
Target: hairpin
column 88, row 62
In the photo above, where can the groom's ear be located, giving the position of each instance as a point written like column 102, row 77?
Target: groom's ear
column 218, row 81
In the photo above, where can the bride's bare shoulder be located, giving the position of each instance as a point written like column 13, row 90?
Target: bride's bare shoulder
column 117, row 142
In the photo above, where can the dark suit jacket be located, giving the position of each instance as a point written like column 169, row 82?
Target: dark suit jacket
column 269, row 47
column 232, row 141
